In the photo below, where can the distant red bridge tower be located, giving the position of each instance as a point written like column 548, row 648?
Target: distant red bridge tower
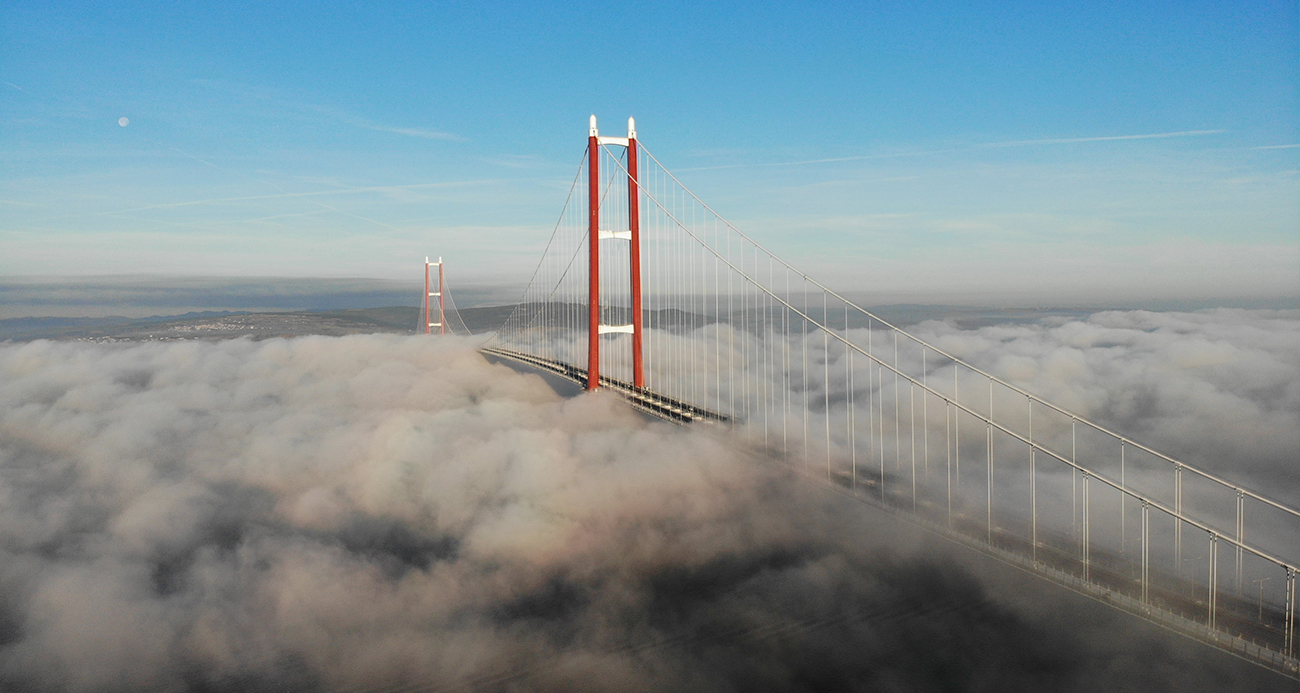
column 428, row 304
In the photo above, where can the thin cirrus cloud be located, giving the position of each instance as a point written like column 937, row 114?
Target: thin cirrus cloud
column 987, row 145
column 1110, row 138
column 414, row 132
column 293, row 104
column 422, row 133
column 287, row 195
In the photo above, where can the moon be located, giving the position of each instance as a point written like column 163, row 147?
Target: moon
column 123, row 122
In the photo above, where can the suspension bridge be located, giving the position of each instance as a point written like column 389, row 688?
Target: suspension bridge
column 645, row 290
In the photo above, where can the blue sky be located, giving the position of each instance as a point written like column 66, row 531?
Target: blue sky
column 921, row 151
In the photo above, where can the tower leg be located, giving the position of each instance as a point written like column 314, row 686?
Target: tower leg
column 634, row 252
column 593, row 272
column 425, row 303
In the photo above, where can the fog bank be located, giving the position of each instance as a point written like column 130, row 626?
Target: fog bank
column 377, row 511
column 1219, row 389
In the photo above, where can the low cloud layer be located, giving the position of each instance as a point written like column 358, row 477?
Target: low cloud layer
column 393, row 513
column 1219, row 389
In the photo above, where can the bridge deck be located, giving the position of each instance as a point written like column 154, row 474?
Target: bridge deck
column 648, row 401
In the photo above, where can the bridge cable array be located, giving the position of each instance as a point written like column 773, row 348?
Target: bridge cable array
column 732, row 334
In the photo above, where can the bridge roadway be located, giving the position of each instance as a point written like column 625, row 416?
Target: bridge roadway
column 1173, row 602
column 648, row 401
